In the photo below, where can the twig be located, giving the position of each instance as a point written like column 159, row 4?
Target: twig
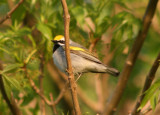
column 11, row 11
column 132, row 58
column 34, row 87
column 149, row 79
column 14, row 110
column 93, row 44
column 61, row 93
column 71, row 80
column 53, row 107
column 37, row 90
column 55, row 75
column 42, row 104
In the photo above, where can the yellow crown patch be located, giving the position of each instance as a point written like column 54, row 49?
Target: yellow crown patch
column 58, row 37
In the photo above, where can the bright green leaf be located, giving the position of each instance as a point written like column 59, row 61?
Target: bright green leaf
column 30, row 55
column 45, row 30
column 12, row 82
column 11, row 67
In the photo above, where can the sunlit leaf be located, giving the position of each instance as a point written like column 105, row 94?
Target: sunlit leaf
column 12, row 81
column 11, row 67
column 149, row 94
column 79, row 14
column 30, row 55
column 45, row 30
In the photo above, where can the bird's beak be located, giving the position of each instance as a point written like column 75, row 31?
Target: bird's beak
column 54, row 41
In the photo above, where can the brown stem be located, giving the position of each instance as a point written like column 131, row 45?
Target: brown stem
column 12, row 106
column 71, row 80
column 149, row 79
column 13, row 102
column 36, row 89
column 93, row 44
column 8, row 15
column 42, row 104
column 54, row 105
column 112, row 104
column 55, row 75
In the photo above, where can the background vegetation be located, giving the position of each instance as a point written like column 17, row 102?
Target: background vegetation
column 107, row 28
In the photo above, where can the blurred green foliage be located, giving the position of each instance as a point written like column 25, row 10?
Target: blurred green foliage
column 33, row 25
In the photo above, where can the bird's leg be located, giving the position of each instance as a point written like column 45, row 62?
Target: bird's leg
column 79, row 75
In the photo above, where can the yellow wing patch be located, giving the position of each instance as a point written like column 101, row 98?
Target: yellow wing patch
column 58, row 37
column 80, row 49
column 76, row 48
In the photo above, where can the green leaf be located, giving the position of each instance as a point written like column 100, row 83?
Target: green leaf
column 32, row 40
column 30, row 55
column 11, row 67
column 45, row 30
column 19, row 14
column 4, row 50
column 149, row 93
column 12, row 82
column 154, row 100
column 27, row 99
column 79, row 14
column 7, row 87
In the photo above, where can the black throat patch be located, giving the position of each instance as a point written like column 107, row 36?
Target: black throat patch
column 55, row 47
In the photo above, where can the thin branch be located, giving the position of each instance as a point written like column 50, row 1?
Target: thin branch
column 11, row 12
column 54, row 105
column 131, row 59
column 41, row 76
column 14, row 110
column 148, row 82
column 61, row 93
column 71, row 80
column 55, row 75
column 36, row 89
column 93, row 44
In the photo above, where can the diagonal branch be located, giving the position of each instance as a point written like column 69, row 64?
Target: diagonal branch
column 131, row 59
column 148, row 82
column 37, row 90
column 69, row 66
column 11, row 12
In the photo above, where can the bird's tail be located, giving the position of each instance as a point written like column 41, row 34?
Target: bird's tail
column 112, row 71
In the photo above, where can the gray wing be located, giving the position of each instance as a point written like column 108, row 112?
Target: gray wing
column 86, row 55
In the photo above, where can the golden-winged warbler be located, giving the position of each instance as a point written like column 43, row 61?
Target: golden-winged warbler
column 81, row 59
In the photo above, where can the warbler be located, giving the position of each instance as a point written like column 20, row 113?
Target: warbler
column 81, row 59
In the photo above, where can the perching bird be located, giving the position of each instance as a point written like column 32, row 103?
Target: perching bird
column 81, row 59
